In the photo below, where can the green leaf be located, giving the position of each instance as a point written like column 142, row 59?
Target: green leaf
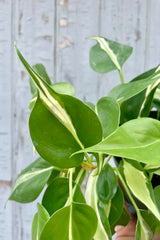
column 116, row 207
column 57, row 193
column 138, row 139
column 31, row 181
column 157, row 196
column 146, row 225
column 123, row 220
column 43, row 217
column 51, row 139
column 75, row 125
column 63, row 88
column 40, row 69
column 141, row 187
column 106, row 184
column 77, row 221
column 147, row 104
column 91, row 105
column 103, row 229
column 54, row 174
column 109, row 113
column 35, row 227
column 125, row 91
column 130, row 108
column 156, row 104
column 108, row 55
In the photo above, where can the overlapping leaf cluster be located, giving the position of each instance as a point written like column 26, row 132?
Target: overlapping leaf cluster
column 76, row 140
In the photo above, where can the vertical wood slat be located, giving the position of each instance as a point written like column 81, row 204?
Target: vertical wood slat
column 5, row 119
column 152, row 53
column 76, row 20
column 33, row 25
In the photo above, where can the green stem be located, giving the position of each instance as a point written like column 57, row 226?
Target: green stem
column 78, row 178
column 128, row 192
column 121, row 76
column 87, row 157
column 70, row 185
column 108, row 159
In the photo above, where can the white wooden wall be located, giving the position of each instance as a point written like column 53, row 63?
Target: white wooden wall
column 53, row 32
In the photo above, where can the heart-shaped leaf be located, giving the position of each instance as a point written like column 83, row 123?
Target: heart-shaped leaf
column 75, row 125
column 108, row 55
column 109, row 113
column 76, row 221
column 138, row 139
column 31, row 181
column 57, row 193
column 51, row 139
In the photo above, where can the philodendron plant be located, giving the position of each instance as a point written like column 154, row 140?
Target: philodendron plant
column 76, row 140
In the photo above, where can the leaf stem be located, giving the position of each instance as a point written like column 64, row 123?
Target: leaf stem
column 128, row 192
column 121, row 76
column 70, row 185
column 108, row 159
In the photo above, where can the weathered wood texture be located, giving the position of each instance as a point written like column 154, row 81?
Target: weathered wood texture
column 53, row 32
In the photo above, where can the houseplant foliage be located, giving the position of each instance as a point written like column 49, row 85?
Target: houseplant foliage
column 76, row 140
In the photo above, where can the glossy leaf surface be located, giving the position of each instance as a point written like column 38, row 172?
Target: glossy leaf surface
column 51, row 139
column 138, row 139
column 106, row 184
column 77, row 221
column 141, row 187
column 108, row 55
column 57, row 193
column 31, row 181
column 108, row 112
column 78, row 119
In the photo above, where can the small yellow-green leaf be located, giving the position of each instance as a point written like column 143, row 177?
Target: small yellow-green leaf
column 141, row 187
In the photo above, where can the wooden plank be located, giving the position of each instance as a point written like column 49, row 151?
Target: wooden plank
column 5, row 119
column 152, row 48
column 5, row 212
column 124, row 21
column 5, row 90
column 33, row 24
column 76, row 20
